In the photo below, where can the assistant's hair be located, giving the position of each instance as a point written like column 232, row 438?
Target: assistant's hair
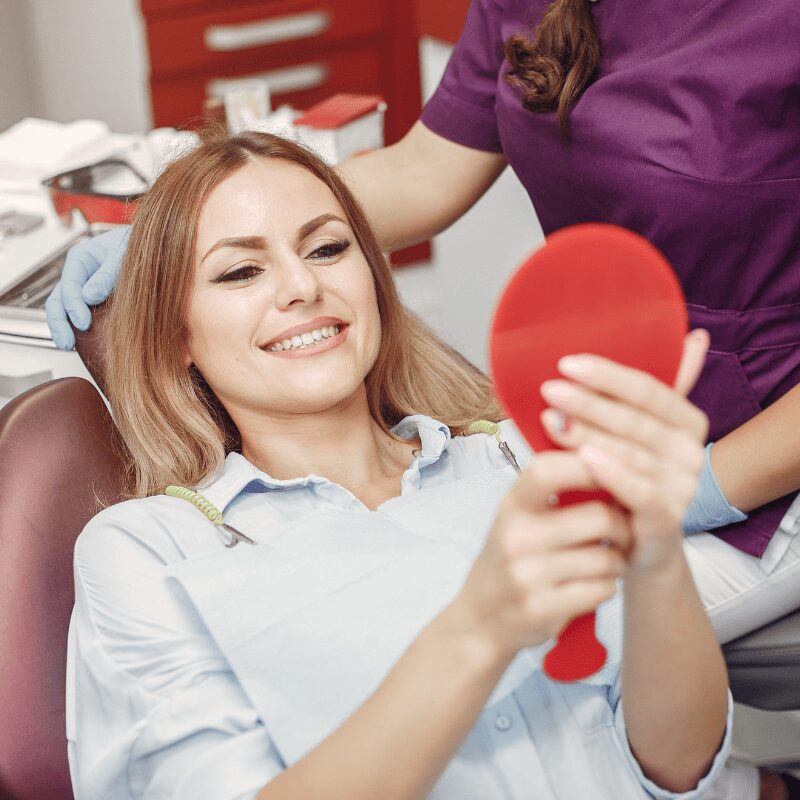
column 554, row 67
column 174, row 428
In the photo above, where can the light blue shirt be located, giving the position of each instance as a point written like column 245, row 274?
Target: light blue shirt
column 199, row 672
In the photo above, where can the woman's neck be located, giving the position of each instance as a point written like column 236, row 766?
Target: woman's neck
column 343, row 444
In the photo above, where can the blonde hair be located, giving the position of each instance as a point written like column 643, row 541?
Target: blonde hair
column 173, row 427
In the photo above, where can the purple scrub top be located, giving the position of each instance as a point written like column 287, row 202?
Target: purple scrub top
column 690, row 135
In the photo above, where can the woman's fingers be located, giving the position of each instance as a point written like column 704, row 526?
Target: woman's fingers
column 547, row 475
column 574, row 599
column 622, row 419
column 695, row 349
column 574, row 526
column 599, row 378
column 589, row 562
column 639, row 494
column 573, row 433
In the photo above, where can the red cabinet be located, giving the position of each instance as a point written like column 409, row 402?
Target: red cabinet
column 306, row 49
column 442, row 19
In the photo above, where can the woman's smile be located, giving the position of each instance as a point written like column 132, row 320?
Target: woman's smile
column 310, row 342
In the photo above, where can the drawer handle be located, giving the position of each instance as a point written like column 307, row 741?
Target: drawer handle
column 292, row 79
column 12, row 385
column 225, row 38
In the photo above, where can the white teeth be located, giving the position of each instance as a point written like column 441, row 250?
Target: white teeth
column 306, row 339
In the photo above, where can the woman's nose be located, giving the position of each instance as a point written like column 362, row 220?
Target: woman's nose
column 296, row 282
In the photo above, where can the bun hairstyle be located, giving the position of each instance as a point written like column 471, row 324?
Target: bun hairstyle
column 554, row 67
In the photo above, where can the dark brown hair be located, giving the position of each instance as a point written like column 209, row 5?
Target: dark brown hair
column 554, row 67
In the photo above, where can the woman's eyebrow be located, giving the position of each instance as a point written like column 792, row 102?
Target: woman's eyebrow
column 260, row 243
column 242, row 242
column 309, row 227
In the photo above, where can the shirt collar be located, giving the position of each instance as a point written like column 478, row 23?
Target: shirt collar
column 238, row 475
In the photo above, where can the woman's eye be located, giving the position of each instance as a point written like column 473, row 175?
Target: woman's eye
column 329, row 250
column 240, row 274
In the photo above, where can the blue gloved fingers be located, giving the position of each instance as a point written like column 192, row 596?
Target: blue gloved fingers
column 101, row 284
column 80, row 264
column 78, row 288
column 63, row 337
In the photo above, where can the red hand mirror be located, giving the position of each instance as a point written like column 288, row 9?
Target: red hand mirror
column 590, row 289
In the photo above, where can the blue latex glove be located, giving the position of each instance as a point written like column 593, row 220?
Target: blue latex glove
column 89, row 276
column 709, row 508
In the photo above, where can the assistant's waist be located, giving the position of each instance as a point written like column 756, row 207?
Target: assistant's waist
column 733, row 330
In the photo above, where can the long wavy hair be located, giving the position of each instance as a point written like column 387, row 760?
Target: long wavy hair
column 553, row 69
column 174, row 429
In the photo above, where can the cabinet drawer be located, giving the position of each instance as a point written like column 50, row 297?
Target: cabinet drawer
column 264, row 32
column 179, row 101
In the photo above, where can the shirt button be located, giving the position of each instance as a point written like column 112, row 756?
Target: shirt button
column 502, row 722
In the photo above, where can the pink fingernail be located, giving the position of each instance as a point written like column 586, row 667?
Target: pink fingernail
column 555, row 421
column 593, row 457
column 575, row 366
column 559, row 393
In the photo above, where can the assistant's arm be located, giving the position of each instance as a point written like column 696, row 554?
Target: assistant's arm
column 419, row 186
column 760, row 460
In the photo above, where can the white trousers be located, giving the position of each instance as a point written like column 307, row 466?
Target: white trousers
column 742, row 593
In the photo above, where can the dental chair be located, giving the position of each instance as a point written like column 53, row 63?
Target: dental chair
column 58, row 463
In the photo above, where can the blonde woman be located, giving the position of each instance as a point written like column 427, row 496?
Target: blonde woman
column 369, row 621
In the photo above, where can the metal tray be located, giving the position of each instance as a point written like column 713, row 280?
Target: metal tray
column 22, row 305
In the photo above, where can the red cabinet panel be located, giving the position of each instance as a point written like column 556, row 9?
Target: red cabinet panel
column 442, row 19
column 308, row 49
column 257, row 33
column 178, row 101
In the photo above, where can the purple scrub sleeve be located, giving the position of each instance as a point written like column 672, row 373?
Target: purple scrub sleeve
column 463, row 107
column 690, row 136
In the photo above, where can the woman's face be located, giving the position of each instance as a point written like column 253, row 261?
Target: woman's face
column 283, row 316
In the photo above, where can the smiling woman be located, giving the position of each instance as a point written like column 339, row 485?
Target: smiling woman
column 248, row 257
column 378, row 628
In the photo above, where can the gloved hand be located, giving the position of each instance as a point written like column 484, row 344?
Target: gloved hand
column 89, row 276
column 709, row 508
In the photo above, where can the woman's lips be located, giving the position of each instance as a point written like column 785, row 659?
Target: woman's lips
column 313, row 349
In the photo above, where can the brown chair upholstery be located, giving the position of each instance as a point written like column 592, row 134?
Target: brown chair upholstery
column 57, row 464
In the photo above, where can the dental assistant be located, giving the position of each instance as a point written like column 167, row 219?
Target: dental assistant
column 679, row 121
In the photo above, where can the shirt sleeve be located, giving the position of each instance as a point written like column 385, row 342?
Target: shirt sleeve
column 153, row 709
column 463, row 107
column 655, row 791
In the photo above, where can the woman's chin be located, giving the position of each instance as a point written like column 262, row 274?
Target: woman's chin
column 313, row 398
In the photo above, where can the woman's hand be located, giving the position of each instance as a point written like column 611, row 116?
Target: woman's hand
column 542, row 566
column 641, row 440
